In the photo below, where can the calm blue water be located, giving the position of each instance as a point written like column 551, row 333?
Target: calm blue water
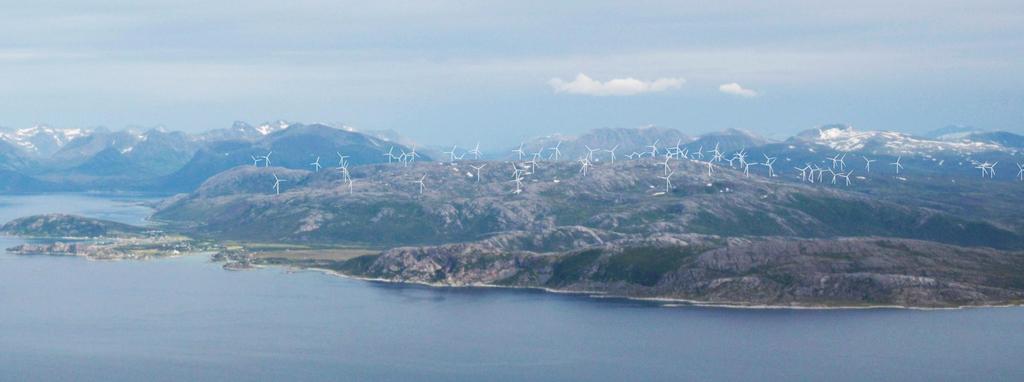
column 187, row 319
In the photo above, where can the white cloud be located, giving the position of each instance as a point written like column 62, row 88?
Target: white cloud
column 735, row 89
column 614, row 87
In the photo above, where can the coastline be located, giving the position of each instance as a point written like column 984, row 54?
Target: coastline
column 663, row 301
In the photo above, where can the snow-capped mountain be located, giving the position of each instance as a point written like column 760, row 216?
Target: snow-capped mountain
column 42, row 140
column 845, row 138
column 241, row 130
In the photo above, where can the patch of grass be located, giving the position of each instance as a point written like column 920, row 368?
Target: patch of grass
column 643, row 265
column 573, row 268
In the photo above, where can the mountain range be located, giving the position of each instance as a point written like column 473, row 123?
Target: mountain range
column 156, row 160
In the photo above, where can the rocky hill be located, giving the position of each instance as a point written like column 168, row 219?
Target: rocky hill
column 774, row 271
column 62, row 226
column 386, row 208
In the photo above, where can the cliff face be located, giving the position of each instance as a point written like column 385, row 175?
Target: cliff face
column 740, row 271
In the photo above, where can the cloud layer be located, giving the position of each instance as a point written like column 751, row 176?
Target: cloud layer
column 735, row 89
column 585, row 85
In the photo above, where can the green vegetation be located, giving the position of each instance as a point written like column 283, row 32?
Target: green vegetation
column 573, row 268
column 643, row 265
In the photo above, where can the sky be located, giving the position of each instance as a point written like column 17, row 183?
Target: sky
column 501, row 71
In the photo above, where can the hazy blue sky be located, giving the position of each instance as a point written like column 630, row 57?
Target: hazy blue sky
column 502, row 70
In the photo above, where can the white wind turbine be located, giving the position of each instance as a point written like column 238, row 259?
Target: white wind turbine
column 716, row 154
column 350, row 181
column 256, row 160
column 897, row 164
column 846, row 177
column 520, row 151
column 316, row 164
column 590, row 152
column 451, row 154
column 413, row 155
column 654, row 148
column 837, row 161
column 341, row 160
column 668, row 181
column 390, row 154
column 699, row 154
column 277, row 184
column 867, row 163
column 556, row 152
column 266, row 159
column 584, row 165
column 475, row 152
column 769, row 162
column 665, row 165
column 422, row 183
column 612, row 152
column 518, row 180
column 803, row 172
column 711, row 166
column 1020, row 172
column 344, row 171
column 478, row 168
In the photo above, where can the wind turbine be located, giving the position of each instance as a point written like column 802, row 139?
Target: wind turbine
column 1020, row 173
column 716, row 155
column 699, row 154
column 837, row 161
column 350, row 181
column 266, row 159
column 846, row 176
column 422, row 183
column 520, row 151
column 341, row 160
column 518, row 180
column 413, row 155
column 451, row 154
column 711, row 166
column 897, row 164
column 555, row 151
column 803, row 172
column 316, row 164
column 769, row 162
column 584, row 165
column 867, row 163
column 746, row 169
column 256, row 160
column 476, row 152
column 654, row 148
column 612, row 152
column 344, row 171
column 390, row 154
column 668, row 181
column 590, row 152
column 277, row 184
column 478, row 171
column 665, row 165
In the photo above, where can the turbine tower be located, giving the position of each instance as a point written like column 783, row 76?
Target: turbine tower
column 316, row 164
column 897, row 164
column 422, row 183
column 478, row 168
column 277, row 184
column 867, row 163
column 668, row 181
column 769, row 162
column 476, row 152
column 266, row 159
column 556, row 152
column 520, row 151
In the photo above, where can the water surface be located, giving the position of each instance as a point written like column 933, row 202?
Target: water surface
column 187, row 319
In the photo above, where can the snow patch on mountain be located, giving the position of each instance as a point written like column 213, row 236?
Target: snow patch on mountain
column 848, row 139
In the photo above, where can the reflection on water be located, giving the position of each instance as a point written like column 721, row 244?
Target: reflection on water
column 187, row 319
